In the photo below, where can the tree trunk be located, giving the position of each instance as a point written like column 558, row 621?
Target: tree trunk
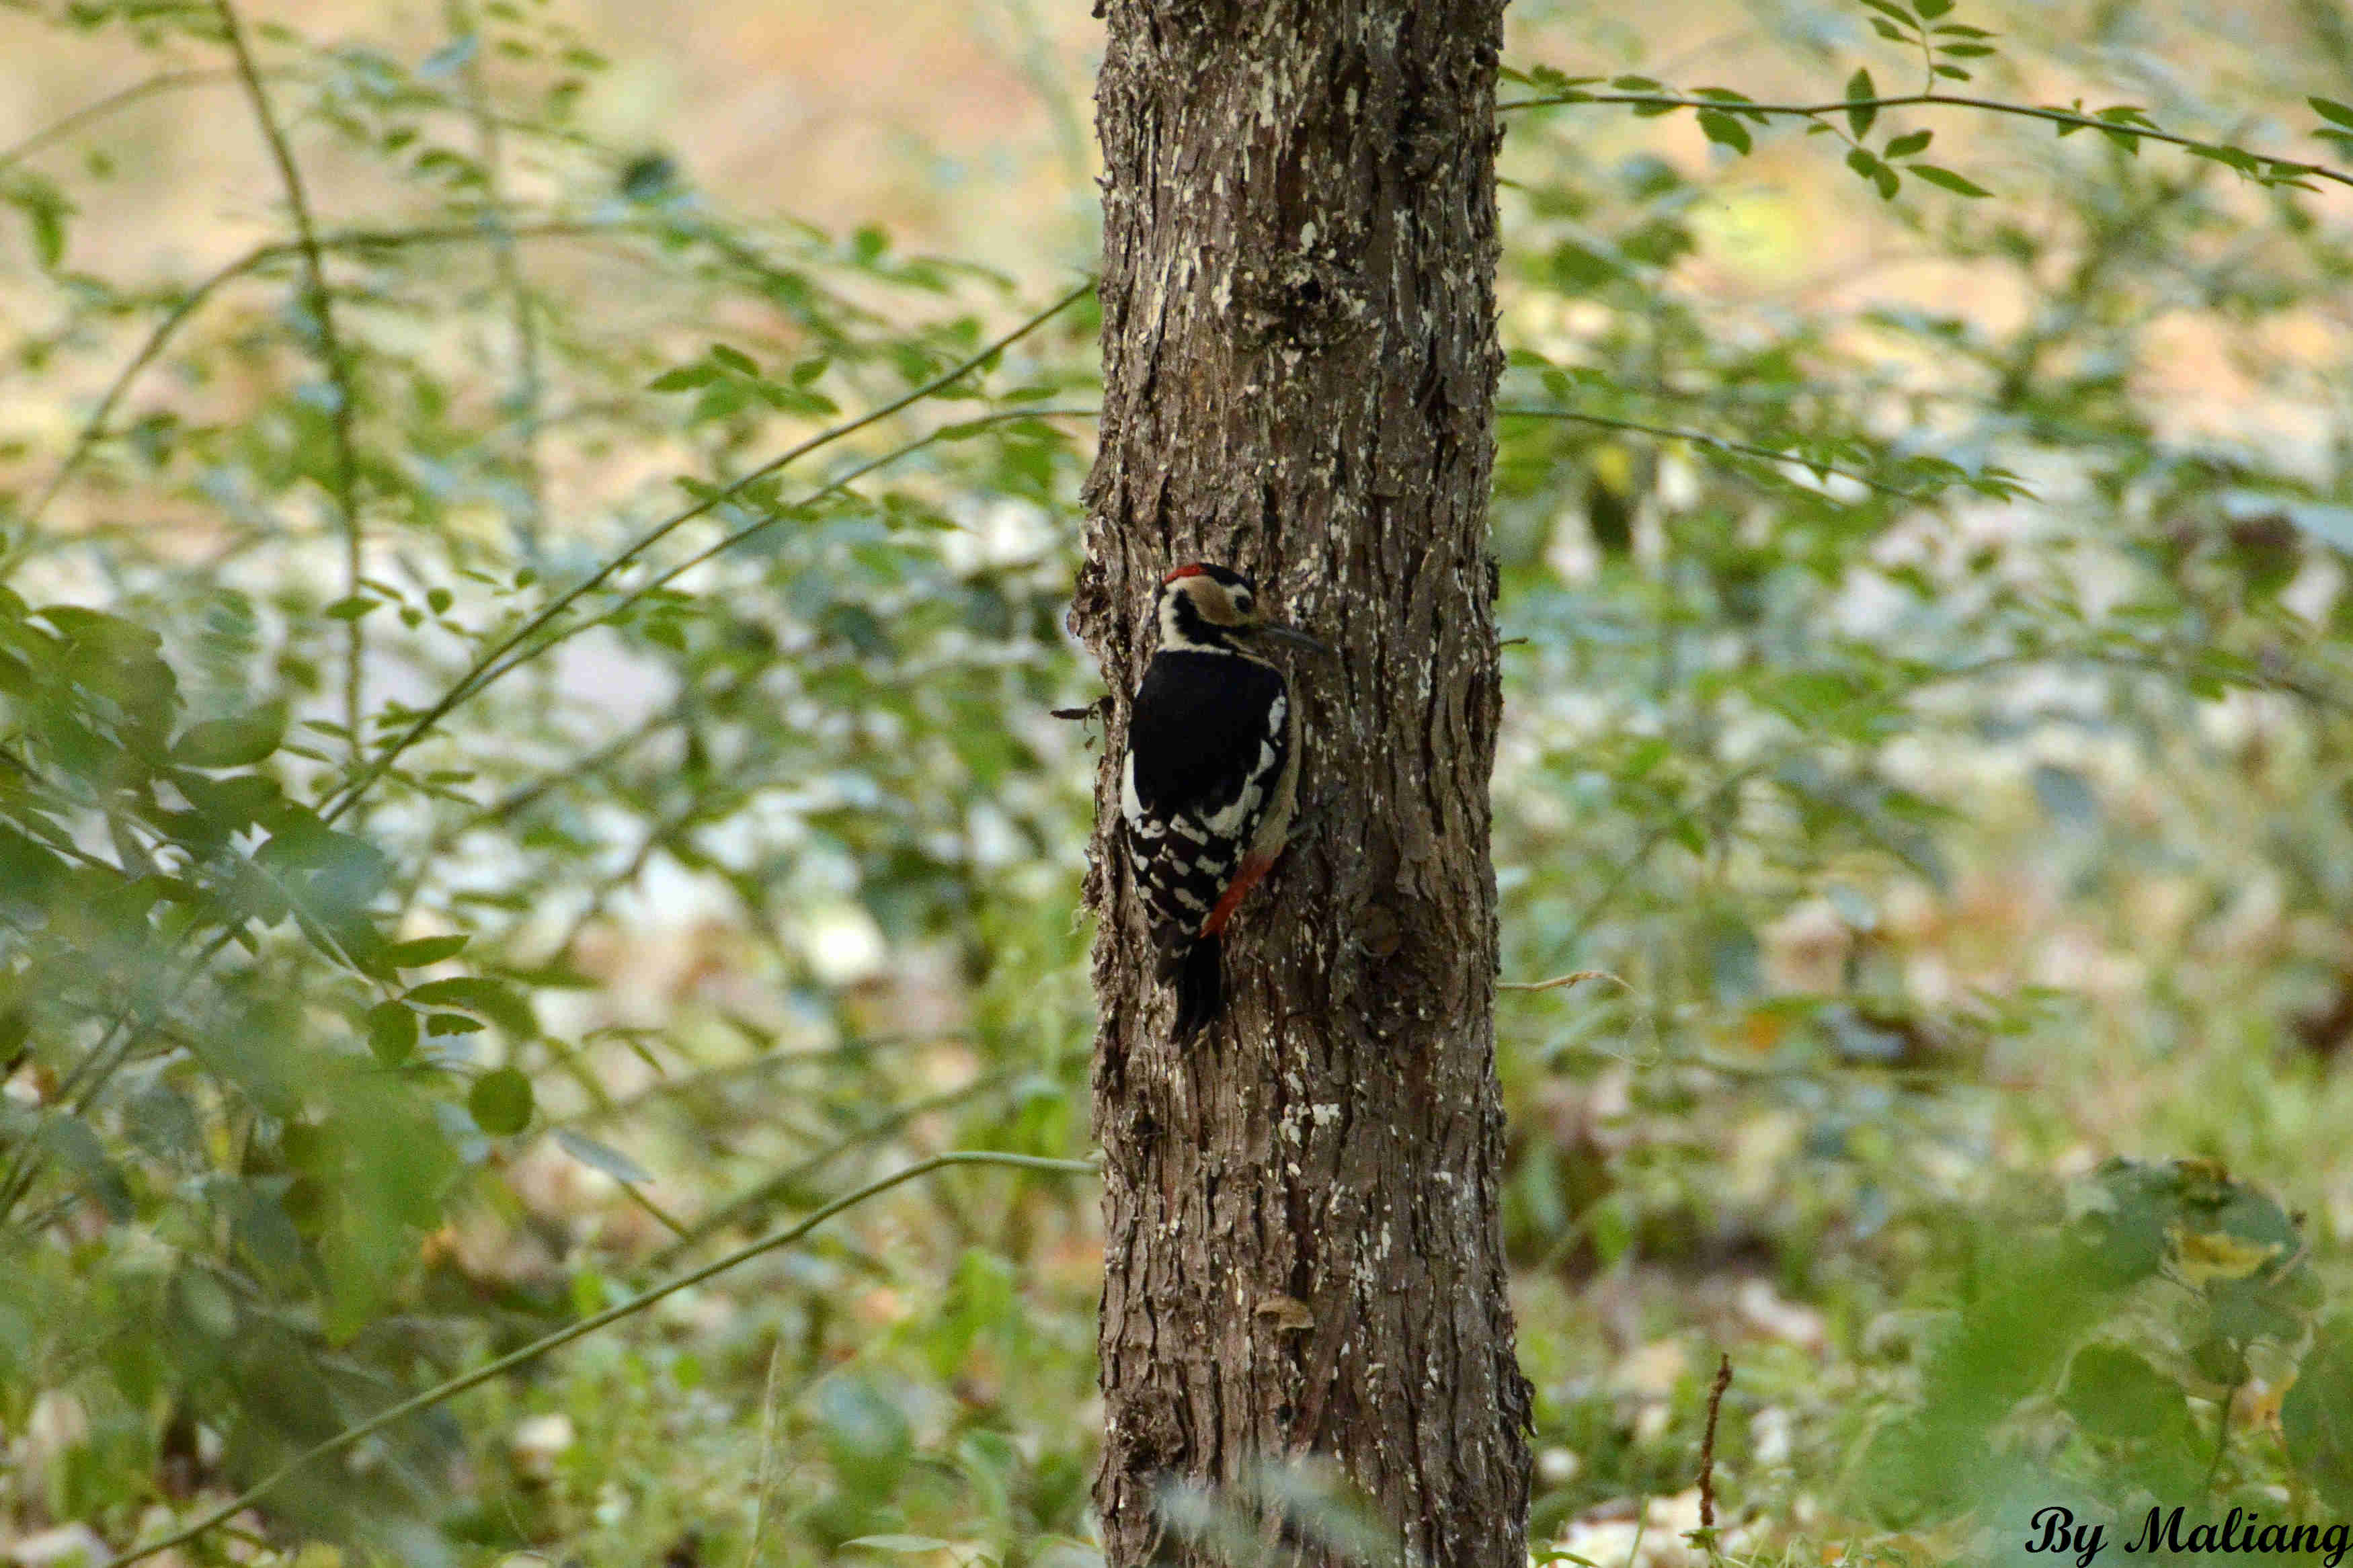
column 1301, row 1252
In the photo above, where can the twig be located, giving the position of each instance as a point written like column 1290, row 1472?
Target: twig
column 1909, row 100
column 1708, row 1449
column 764, row 1491
column 340, row 379
column 774, row 1061
column 668, row 1221
column 769, row 1187
column 507, row 261
column 835, row 485
column 1658, row 835
column 485, row 675
column 2223, row 1425
column 1558, row 981
column 1719, row 443
column 539, row 1347
column 93, row 428
column 65, row 125
column 487, row 668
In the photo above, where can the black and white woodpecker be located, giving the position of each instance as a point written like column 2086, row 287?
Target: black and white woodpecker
column 1212, row 778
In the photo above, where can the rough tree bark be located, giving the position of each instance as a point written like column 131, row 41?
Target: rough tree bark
column 1302, row 1248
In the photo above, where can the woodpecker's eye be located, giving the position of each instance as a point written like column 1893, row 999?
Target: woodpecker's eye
column 1241, row 604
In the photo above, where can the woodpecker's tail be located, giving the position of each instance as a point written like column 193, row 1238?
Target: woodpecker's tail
column 1200, row 986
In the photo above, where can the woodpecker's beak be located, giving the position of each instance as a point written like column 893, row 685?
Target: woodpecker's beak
column 1291, row 635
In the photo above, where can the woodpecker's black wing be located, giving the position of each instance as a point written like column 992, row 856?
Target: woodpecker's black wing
column 1207, row 742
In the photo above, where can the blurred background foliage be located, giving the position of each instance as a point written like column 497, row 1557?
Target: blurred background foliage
column 533, row 546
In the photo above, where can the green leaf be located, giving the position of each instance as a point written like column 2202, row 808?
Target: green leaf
column 49, row 226
column 1910, row 144
column 1859, row 116
column 1944, row 179
column 1929, row 10
column 1877, row 173
column 2235, row 158
column 602, row 1157
column 81, row 1150
column 500, row 1004
column 2317, row 1417
column 734, row 359
column 500, row 1102
column 866, row 1435
column 2111, row 1392
column 422, row 951
column 2330, row 109
column 231, row 743
column 685, row 378
column 392, row 1033
column 1726, row 129
column 352, row 608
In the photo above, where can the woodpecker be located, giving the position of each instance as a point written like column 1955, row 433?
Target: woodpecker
column 1211, row 777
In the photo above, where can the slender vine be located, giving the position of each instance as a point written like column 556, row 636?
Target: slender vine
column 344, row 385
column 2122, row 123
column 499, row 1367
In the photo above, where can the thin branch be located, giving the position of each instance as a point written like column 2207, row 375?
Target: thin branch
column 1658, row 835
column 1824, row 111
column 522, row 796
column 81, row 1086
column 1719, row 443
column 1561, row 982
column 2222, row 1424
column 530, row 392
column 586, row 1326
column 94, row 427
column 484, row 678
column 340, row 379
column 1708, row 1450
column 836, row 485
column 489, row 668
column 749, row 1067
column 768, row 1188
column 65, row 125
